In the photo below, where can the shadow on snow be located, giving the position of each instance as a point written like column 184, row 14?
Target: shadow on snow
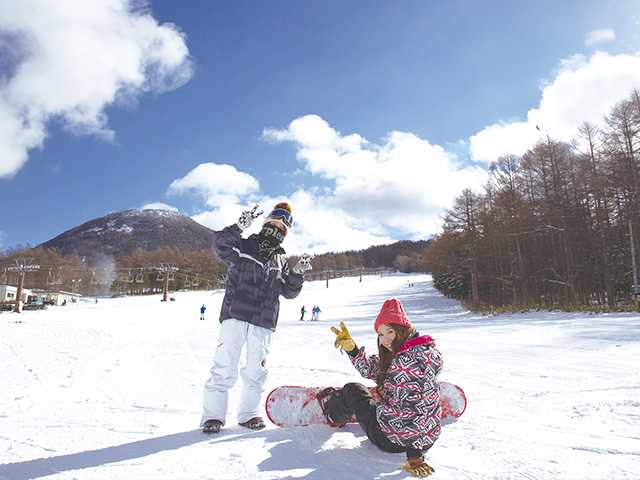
column 41, row 467
column 299, row 449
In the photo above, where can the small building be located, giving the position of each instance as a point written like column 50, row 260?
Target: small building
column 8, row 293
column 69, row 297
column 57, row 297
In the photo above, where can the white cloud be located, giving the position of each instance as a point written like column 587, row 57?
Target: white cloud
column 218, row 184
column 583, row 90
column 596, row 37
column 318, row 225
column 402, row 184
column 375, row 192
column 222, row 187
column 70, row 60
column 159, row 206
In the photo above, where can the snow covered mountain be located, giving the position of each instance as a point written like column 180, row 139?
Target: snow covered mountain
column 121, row 233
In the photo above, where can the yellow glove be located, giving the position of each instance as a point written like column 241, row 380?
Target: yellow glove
column 417, row 467
column 343, row 339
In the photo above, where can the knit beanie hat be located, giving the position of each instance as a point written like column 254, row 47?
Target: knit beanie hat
column 391, row 312
column 281, row 216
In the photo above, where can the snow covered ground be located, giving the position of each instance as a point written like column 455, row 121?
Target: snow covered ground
column 113, row 390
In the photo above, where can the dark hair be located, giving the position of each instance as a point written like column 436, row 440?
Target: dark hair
column 386, row 356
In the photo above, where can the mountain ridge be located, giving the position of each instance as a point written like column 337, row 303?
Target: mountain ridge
column 121, row 233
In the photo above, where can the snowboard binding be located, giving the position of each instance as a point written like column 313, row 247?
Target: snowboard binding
column 330, row 400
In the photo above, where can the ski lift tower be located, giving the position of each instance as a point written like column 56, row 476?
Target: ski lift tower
column 167, row 269
column 22, row 266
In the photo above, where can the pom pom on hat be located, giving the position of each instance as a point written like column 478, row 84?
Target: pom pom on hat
column 285, row 205
column 391, row 312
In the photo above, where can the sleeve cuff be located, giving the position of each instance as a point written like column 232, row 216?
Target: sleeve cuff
column 354, row 353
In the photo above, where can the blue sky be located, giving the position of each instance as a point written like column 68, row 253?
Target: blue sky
column 369, row 116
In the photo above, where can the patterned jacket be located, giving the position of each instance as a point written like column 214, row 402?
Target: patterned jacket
column 409, row 410
column 254, row 284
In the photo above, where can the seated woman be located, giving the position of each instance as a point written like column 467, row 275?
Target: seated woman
column 406, row 417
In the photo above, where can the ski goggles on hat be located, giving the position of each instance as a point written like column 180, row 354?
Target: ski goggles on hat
column 282, row 214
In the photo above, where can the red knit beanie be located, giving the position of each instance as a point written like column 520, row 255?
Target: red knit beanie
column 392, row 312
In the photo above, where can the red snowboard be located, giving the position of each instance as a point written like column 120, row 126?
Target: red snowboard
column 291, row 406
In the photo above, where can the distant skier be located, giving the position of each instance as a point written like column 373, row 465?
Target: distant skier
column 258, row 274
column 203, row 309
column 302, row 312
column 407, row 418
column 315, row 313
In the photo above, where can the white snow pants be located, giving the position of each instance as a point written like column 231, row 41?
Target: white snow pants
column 224, row 372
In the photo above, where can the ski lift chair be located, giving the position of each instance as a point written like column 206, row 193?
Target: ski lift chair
column 58, row 278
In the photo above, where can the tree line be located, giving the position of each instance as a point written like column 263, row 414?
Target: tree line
column 552, row 226
column 138, row 273
column 141, row 272
column 404, row 256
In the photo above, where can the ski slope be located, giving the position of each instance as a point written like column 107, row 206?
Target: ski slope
column 113, row 391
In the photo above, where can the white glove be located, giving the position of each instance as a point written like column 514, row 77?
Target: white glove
column 247, row 217
column 304, row 264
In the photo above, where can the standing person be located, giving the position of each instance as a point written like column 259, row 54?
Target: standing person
column 202, row 310
column 258, row 274
column 317, row 314
column 302, row 312
column 406, row 418
column 313, row 313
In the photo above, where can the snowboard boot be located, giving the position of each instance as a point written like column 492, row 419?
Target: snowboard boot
column 333, row 406
column 255, row 423
column 211, row 426
column 417, row 467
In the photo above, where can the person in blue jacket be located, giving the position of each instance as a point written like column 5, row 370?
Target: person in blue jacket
column 202, row 310
column 258, row 274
